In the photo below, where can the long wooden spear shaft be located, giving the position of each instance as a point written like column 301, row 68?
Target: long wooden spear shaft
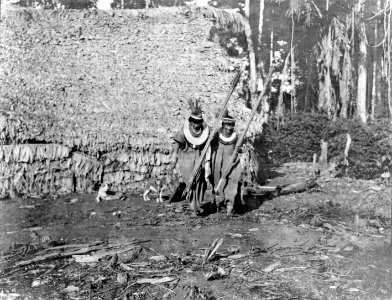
column 222, row 181
column 197, row 168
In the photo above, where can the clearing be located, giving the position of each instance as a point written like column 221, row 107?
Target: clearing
column 330, row 242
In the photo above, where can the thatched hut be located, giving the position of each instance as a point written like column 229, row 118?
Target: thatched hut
column 90, row 96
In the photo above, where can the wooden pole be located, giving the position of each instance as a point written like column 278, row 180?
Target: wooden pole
column 196, row 170
column 227, row 170
column 324, row 154
column 272, row 48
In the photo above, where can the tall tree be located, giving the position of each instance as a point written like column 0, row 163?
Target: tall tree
column 251, row 50
column 362, row 70
column 374, row 79
column 388, row 12
column 260, row 32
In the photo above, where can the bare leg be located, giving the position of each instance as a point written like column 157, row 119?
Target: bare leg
column 230, row 194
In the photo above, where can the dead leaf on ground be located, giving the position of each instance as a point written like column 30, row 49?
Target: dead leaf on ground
column 9, row 296
column 235, row 235
column 353, row 290
column 122, row 277
column 272, row 267
column 232, row 249
column 219, row 273
column 141, row 264
column 39, row 281
column 70, row 290
column 253, row 229
column 154, row 280
column 237, row 256
column 158, row 258
column 85, row 259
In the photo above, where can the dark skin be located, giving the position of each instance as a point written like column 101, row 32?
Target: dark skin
column 196, row 126
column 227, row 129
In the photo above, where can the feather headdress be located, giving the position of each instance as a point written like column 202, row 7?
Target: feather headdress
column 226, row 118
column 196, row 113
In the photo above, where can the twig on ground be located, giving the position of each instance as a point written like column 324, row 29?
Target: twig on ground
column 152, row 296
column 107, row 290
column 60, row 254
column 270, row 247
column 170, row 290
column 261, row 272
column 127, row 287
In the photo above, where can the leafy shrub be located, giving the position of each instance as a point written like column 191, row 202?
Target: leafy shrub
column 299, row 138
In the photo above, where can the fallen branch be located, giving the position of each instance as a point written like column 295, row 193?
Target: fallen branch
column 262, row 190
column 154, row 280
column 60, row 254
column 298, row 186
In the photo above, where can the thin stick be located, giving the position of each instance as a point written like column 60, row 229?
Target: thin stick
column 196, row 170
column 227, row 170
column 170, row 290
column 127, row 287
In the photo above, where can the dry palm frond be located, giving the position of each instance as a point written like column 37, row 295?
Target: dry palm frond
column 317, row 9
column 295, row 7
column 212, row 249
column 303, row 9
column 227, row 18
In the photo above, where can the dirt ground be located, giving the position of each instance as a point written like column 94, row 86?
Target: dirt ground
column 330, row 242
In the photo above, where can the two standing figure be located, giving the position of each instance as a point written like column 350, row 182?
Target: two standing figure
column 190, row 142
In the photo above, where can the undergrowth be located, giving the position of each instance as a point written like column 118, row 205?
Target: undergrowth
column 299, row 138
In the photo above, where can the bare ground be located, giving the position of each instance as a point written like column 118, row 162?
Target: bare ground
column 330, row 242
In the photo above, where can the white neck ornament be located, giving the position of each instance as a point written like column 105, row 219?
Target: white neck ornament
column 197, row 141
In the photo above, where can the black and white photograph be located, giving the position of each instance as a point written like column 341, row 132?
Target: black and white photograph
column 195, row 150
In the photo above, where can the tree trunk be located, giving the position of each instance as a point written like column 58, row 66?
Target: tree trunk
column 374, row 81
column 345, row 84
column 389, row 49
column 324, row 154
column 379, row 87
column 272, row 48
column 246, row 8
column 292, row 94
column 308, row 83
column 260, row 33
column 362, row 77
column 252, row 57
column 352, row 74
column 280, row 109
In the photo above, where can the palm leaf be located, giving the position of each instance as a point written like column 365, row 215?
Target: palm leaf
column 212, row 249
column 226, row 18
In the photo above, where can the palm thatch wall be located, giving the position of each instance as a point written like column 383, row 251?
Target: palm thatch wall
column 109, row 89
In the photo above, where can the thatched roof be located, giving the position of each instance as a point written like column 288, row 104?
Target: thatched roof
column 96, row 79
column 112, row 87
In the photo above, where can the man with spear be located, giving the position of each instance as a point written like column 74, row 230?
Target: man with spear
column 190, row 142
column 223, row 147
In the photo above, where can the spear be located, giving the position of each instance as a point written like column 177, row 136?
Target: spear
column 222, row 181
column 196, row 171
